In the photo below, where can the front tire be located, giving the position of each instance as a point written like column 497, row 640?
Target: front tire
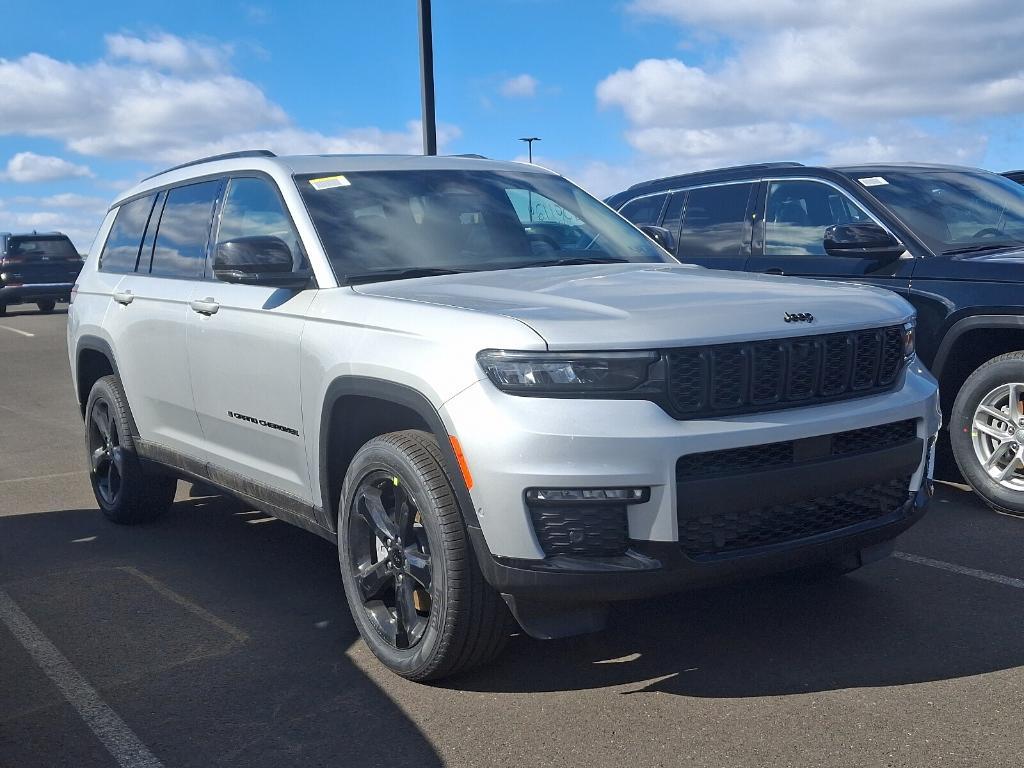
column 987, row 432
column 410, row 574
column 124, row 491
column 46, row 306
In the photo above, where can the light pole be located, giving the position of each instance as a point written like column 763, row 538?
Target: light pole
column 529, row 143
column 427, row 79
column 529, row 148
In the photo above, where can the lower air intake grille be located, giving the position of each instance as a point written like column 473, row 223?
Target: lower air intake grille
column 581, row 531
column 705, row 535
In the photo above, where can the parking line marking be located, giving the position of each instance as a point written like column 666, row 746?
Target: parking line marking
column 17, row 330
column 1008, row 581
column 120, row 741
column 185, row 603
column 43, row 477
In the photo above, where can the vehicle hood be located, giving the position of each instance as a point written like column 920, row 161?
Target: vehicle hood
column 634, row 306
column 996, row 267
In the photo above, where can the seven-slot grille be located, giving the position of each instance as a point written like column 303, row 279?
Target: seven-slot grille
column 782, row 373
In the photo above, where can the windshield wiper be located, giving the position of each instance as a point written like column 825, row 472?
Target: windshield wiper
column 572, row 260
column 978, row 247
column 398, row 274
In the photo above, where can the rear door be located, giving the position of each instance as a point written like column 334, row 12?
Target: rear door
column 244, row 344
column 712, row 224
column 150, row 314
column 790, row 234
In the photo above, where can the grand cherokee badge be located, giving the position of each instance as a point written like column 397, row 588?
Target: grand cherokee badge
column 798, row 317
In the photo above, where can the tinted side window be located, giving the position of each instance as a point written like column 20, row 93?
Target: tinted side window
column 252, row 208
column 184, row 231
column 797, row 214
column 715, row 222
column 644, row 210
column 121, row 251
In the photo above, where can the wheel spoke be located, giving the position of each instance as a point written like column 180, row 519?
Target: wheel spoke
column 1010, row 468
column 405, row 611
column 404, row 515
column 993, row 413
column 96, row 457
column 100, row 417
column 983, row 426
column 417, row 565
column 997, row 454
column 117, row 458
column 1015, row 405
column 371, row 509
column 373, row 579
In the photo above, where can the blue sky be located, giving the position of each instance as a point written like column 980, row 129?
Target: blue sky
column 102, row 94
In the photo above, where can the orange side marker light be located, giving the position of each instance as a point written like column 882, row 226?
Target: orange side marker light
column 460, row 457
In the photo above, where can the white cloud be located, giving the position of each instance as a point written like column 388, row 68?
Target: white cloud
column 170, row 52
column 27, row 167
column 163, row 100
column 838, row 80
column 520, row 87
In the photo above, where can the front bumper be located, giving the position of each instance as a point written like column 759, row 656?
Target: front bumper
column 514, row 443
column 22, row 294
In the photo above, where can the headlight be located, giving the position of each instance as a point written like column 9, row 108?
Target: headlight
column 909, row 339
column 565, row 372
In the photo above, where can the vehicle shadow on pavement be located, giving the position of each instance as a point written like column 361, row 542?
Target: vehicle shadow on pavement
column 218, row 636
column 892, row 623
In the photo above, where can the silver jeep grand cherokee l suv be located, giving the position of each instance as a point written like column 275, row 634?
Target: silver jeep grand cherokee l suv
column 496, row 395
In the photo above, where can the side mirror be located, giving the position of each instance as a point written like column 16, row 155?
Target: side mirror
column 259, row 260
column 865, row 240
column 660, row 235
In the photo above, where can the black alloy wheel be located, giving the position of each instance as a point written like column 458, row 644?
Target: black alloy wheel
column 389, row 555
column 106, row 456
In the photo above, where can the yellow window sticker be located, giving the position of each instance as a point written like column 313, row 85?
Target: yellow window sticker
column 329, row 182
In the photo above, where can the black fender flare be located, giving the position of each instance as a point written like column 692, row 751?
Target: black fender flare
column 962, row 326
column 399, row 394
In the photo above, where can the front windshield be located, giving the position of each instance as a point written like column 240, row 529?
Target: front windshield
column 387, row 223
column 954, row 211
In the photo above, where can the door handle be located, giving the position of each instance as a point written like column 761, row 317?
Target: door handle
column 124, row 297
column 774, row 271
column 207, row 306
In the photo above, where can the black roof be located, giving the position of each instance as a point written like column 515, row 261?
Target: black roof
column 785, row 168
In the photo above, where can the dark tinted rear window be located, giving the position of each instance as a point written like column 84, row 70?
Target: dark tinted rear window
column 645, row 210
column 122, row 248
column 184, row 231
column 36, row 248
column 714, row 222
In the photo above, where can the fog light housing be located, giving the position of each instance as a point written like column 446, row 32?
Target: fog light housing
column 560, row 496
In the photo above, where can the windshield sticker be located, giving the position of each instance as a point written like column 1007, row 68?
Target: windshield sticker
column 329, row 182
column 873, row 181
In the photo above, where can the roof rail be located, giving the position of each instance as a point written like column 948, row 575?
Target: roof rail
column 472, row 155
column 728, row 169
column 225, row 156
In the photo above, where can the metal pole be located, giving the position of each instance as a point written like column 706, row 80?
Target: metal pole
column 427, row 80
column 529, row 144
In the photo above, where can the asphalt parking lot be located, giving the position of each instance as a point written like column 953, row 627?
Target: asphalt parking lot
column 218, row 636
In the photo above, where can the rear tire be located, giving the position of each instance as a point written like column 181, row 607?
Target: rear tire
column 986, row 431
column 46, row 306
column 411, row 578
column 3, row 310
column 125, row 492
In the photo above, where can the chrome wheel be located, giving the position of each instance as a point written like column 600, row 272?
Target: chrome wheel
column 390, row 560
column 106, row 455
column 997, row 432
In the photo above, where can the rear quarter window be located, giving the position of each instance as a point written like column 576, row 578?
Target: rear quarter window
column 121, row 251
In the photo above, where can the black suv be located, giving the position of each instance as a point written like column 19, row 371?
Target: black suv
column 38, row 268
column 949, row 239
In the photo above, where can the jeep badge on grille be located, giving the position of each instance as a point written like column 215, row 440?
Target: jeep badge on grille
column 798, row 317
